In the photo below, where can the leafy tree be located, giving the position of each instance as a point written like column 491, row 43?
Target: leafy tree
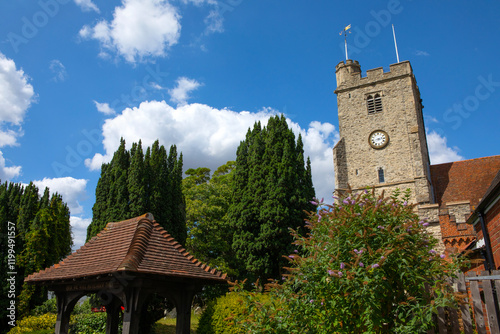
column 271, row 190
column 207, row 204
column 367, row 265
column 134, row 183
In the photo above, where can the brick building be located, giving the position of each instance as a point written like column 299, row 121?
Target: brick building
column 383, row 145
column 486, row 223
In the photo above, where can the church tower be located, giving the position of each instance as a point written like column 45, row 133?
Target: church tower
column 382, row 136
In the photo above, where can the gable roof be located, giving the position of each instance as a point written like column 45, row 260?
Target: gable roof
column 463, row 180
column 137, row 245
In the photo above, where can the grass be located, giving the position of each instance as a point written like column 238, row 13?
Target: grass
column 167, row 325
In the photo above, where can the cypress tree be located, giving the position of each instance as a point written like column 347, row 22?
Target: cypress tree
column 272, row 187
column 134, row 183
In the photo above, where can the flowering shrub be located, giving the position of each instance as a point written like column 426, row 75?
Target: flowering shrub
column 35, row 323
column 366, row 265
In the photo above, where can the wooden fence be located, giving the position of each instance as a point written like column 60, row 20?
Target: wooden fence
column 481, row 307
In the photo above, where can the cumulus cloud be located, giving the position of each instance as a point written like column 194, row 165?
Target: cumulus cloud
column 208, row 137
column 439, row 151
column 104, row 108
column 16, row 96
column 58, row 70
column 87, row 5
column 72, row 191
column 180, row 94
column 79, row 230
column 139, row 29
column 8, row 173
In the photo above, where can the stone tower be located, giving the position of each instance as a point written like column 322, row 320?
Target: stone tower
column 382, row 136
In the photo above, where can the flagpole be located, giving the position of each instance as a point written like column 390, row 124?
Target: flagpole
column 395, row 44
column 345, row 40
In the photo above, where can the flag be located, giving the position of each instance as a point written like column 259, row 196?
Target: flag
column 345, row 29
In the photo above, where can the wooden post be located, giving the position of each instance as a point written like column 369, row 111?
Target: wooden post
column 478, row 305
column 113, row 316
column 183, row 300
column 65, row 303
column 464, row 308
column 134, row 299
column 490, row 304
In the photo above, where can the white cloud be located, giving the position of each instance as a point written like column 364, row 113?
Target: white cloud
column 209, row 137
column 16, row 96
column 72, row 190
column 200, row 2
column 8, row 173
column 180, row 94
column 139, row 29
column 79, row 230
column 214, row 22
column 422, row 53
column 439, row 151
column 59, row 71
column 87, row 5
column 104, row 108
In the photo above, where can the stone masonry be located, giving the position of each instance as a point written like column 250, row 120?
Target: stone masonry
column 405, row 159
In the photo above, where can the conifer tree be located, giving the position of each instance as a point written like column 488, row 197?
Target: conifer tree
column 42, row 238
column 134, row 183
column 271, row 189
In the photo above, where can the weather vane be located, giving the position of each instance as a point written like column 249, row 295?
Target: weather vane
column 345, row 39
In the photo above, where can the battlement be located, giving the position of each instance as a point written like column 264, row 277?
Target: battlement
column 349, row 74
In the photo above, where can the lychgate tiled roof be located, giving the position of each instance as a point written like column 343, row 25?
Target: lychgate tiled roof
column 135, row 245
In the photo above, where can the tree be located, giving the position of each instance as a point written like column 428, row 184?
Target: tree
column 42, row 238
column 207, row 203
column 367, row 265
column 132, row 184
column 271, row 189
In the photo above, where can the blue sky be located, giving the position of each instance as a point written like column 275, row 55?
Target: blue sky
column 76, row 75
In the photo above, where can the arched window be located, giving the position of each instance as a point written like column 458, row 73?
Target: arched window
column 374, row 103
column 381, row 177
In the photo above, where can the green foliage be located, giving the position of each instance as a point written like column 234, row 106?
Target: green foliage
column 49, row 306
column 134, row 183
column 367, row 265
column 221, row 316
column 35, row 324
column 207, row 204
column 40, row 225
column 271, row 189
column 89, row 323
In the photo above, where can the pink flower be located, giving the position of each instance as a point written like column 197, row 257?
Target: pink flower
column 361, row 264
column 342, row 265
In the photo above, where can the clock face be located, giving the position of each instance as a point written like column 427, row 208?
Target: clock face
column 378, row 139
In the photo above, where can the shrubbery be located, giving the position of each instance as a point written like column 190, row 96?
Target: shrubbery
column 35, row 324
column 222, row 315
column 367, row 265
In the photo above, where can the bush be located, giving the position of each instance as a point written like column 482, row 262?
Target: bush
column 88, row 323
column 38, row 324
column 367, row 265
column 222, row 315
column 49, row 306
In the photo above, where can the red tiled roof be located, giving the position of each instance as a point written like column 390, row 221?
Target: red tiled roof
column 136, row 245
column 464, row 180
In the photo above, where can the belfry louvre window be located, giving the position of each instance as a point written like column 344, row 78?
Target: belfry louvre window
column 374, row 103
